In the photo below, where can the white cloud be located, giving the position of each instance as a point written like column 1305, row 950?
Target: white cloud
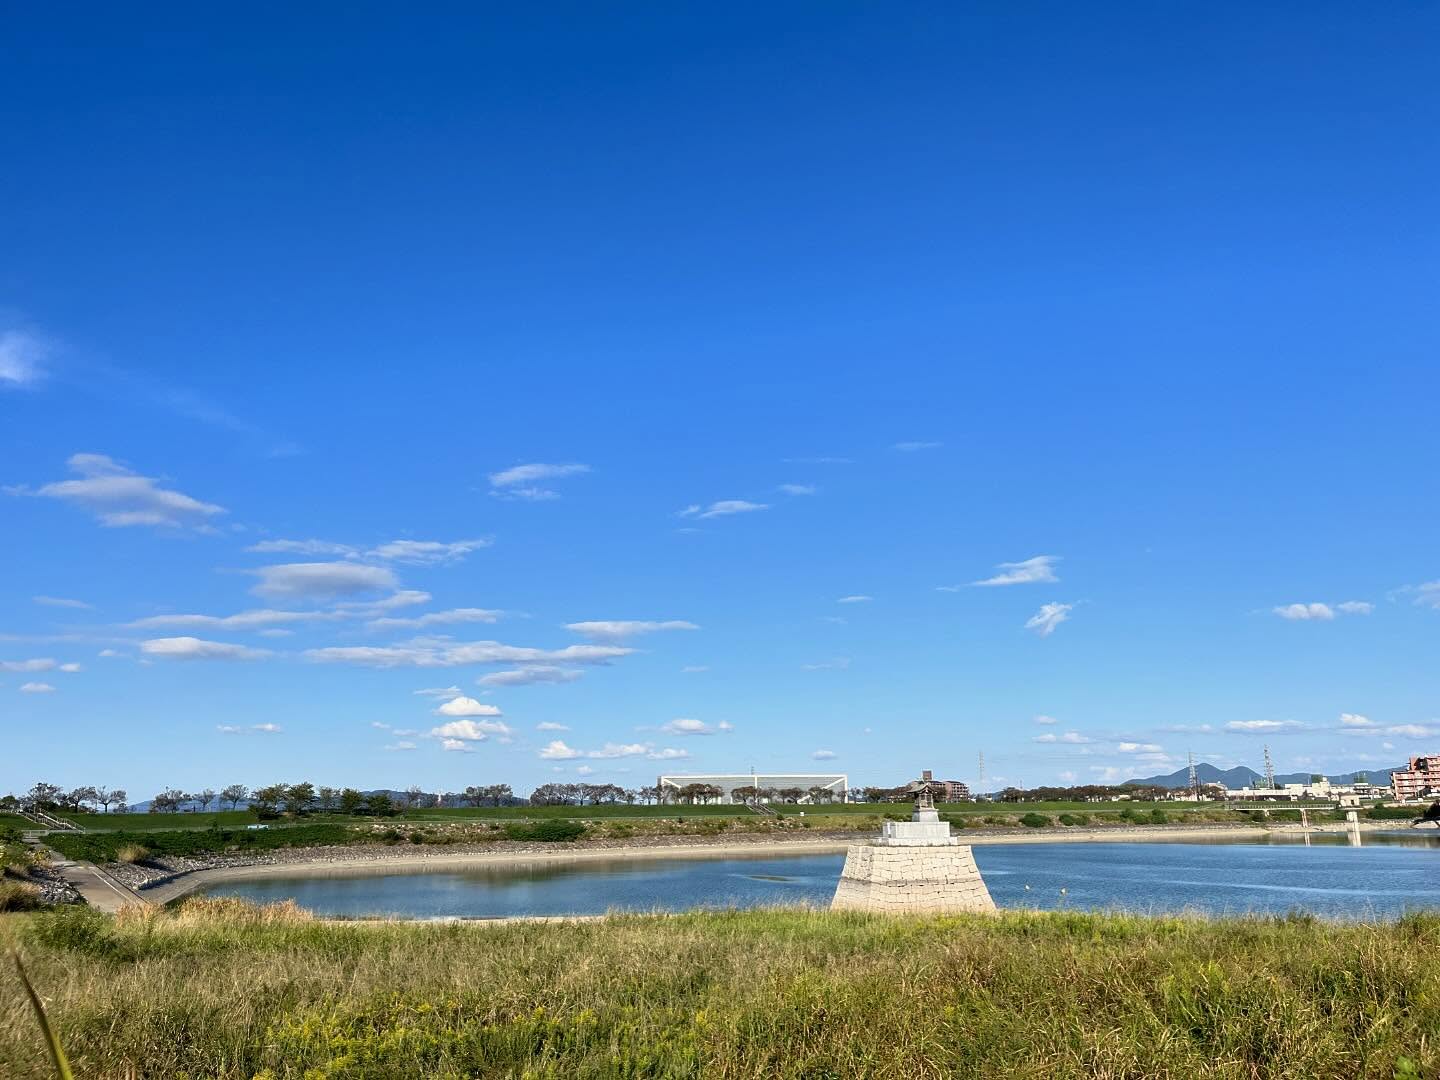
column 550, row 725
column 37, row 688
column 467, row 706
column 1073, row 737
column 797, row 489
column 193, row 648
column 440, row 691
column 426, row 552
column 1139, row 748
column 321, row 580
column 824, row 755
column 438, row 618
column 303, row 547
column 557, row 750
column 60, row 601
column 689, row 726
column 267, row 729
column 1044, row 621
column 858, row 599
column 108, row 653
column 38, row 664
column 1355, row 607
column 1043, row 719
column 1426, row 595
column 1354, row 720
column 614, row 629
column 429, row 653
column 403, row 744
column 583, row 770
column 118, row 496
column 455, row 746
column 364, row 609
column 1028, row 572
column 722, row 508
column 22, row 358
column 246, row 620
column 1411, row 731
column 71, row 667
column 471, row 730
column 1263, row 725
column 529, row 676
column 1303, row 612
column 912, row 446
column 522, row 481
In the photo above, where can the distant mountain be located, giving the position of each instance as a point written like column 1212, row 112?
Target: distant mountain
column 1243, row 776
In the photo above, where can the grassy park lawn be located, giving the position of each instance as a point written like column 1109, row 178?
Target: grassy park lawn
column 221, row 989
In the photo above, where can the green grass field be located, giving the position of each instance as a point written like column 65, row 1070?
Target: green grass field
column 221, row 989
column 15, row 821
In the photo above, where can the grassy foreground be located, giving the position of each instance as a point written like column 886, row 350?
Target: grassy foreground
column 220, row 988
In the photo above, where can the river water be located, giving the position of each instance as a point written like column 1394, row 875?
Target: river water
column 1387, row 876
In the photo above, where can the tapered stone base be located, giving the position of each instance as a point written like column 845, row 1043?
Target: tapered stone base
column 901, row 880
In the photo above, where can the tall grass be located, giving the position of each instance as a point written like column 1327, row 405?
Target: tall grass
column 225, row 989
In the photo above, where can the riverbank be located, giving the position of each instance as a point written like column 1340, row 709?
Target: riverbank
column 227, row 990
column 164, row 884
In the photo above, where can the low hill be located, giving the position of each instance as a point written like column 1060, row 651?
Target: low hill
column 1244, row 776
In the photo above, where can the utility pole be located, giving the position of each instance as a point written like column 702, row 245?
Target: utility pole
column 1194, row 780
column 980, row 776
column 1269, row 769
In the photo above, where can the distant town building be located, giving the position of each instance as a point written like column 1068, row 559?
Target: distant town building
column 952, row 790
column 1420, row 779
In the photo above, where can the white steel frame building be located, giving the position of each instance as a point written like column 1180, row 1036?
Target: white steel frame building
column 837, row 783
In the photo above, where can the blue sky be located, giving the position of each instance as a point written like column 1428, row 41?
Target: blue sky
column 665, row 381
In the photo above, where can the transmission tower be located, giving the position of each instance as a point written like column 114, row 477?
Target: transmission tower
column 1194, row 779
column 1269, row 769
column 980, row 775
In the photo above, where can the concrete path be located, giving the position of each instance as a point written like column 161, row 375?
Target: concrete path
column 99, row 889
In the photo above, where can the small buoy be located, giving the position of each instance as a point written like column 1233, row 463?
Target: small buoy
column 1064, row 891
column 1027, row 888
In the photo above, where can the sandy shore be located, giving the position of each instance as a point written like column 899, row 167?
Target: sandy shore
column 343, row 862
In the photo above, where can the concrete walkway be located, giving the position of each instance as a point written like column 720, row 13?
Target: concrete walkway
column 96, row 887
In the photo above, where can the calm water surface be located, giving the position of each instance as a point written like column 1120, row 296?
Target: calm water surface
column 1384, row 878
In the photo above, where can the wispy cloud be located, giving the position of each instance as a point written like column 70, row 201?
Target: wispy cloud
column 797, row 489
column 470, row 730
column 816, row 461
column 36, row 688
column 118, row 496
column 1050, row 616
column 689, row 726
column 915, row 445
column 618, row 629
column 252, row 729
column 1425, row 595
column 193, row 648
column 531, row 675
column 839, row 663
column 257, row 619
column 1251, row 726
column 1027, row 572
column 723, row 508
column 558, row 750
column 23, row 356
column 857, row 599
column 1073, row 737
column 1355, row 607
column 523, row 482
column 440, row 691
column 824, row 755
column 1042, row 719
column 550, row 725
column 39, row 663
column 428, row 653
column 62, row 602
column 438, row 618
column 1322, row 612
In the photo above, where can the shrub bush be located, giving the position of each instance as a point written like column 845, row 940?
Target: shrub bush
column 1391, row 813
column 131, row 853
column 1035, row 821
column 551, row 831
column 18, row 896
column 1074, row 819
column 1158, row 817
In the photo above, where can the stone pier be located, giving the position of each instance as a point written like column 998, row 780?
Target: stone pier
column 914, row 866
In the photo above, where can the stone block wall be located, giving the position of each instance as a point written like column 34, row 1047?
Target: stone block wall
column 911, row 879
